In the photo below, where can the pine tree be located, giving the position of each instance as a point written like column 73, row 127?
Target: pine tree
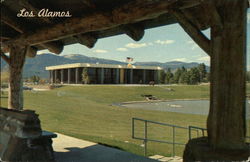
column 202, row 71
column 162, row 76
column 85, row 76
column 169, row 76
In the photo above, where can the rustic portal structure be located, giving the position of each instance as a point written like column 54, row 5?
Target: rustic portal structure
column 92, row 20
column 103, row 74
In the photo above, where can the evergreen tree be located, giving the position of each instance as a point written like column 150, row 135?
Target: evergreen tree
column 194, row 75
column 169, row 76
column 177, row 75
column 162, row 76
column 85, row 76
column 202, row 71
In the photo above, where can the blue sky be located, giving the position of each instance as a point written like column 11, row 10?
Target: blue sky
column 162, row 44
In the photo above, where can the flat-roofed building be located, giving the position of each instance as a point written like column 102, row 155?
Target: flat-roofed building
column 103, row 74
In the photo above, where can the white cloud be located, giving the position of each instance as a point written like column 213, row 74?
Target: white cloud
column 204, row 58
column 136, row 45
column 100, row 51
column 192, row 44
column 165, row 42
column 180, row 59
column 122, row 49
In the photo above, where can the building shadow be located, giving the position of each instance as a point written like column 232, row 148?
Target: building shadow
column 98, row 153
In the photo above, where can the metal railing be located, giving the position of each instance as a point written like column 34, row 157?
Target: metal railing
column 145, row 139
column 197, row 129
column 202, row 130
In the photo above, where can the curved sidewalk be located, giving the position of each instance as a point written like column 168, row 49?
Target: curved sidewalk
column 69, row 149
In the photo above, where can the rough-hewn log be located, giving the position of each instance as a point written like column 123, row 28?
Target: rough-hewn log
column 26, row 4
column 226, row 122
column 5, row 58
column 86, row 39
column 17, row 59
column 193, row 31
column 129, row 13
column 55, row 47
column 31, row 52
column 88, row 3
column 134, row 32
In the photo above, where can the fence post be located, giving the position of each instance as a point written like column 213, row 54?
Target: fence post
column 173, row 153
column 133, row 127
column 145, row 138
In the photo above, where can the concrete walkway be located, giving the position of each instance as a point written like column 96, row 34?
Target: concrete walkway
column 69, row 149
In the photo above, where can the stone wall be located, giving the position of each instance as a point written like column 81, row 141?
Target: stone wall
column 21, row 137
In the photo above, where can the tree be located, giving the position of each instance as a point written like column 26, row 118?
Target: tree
column 85, row 76
column 194, row 75
column 35, row 79
column 169, row 76
column 162, row 76
column 177, row 75
column 202, row 71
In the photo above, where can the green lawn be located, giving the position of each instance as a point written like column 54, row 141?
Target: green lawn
column 86, row 112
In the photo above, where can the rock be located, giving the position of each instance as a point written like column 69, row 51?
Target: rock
column 198, row 149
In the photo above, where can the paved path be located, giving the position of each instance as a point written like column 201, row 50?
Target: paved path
column 69, row 149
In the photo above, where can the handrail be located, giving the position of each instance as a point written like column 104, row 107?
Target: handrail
column 145, row 139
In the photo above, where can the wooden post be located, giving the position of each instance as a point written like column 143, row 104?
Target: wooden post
column 226, row 122
column 17, row 59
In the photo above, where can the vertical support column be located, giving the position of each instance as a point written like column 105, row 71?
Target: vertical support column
column 50, row 76
column 121, row 76
column 144, row 76
column 131, row 76
column 55, row 76
column 62, row 76
column 226, row 121
column 77, row 76
column 117, row 76
column 69, row 75
column 156, row 76
column 17, row 59
column 102, row 75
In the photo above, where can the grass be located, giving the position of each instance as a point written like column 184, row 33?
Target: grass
column 86, row 112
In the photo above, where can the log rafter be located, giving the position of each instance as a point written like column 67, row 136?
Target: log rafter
column 88, row 40
column 193, row 31
column 30, row 7
column 55, row 47
column 135, row 32
column 127, row 14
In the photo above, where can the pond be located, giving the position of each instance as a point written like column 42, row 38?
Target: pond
column 199, row 107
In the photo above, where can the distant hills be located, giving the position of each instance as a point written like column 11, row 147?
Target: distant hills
column 36, row 66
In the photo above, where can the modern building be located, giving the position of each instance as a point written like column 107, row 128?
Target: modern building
column 103, row 74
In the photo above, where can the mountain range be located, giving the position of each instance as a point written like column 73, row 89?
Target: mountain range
column 36, row 66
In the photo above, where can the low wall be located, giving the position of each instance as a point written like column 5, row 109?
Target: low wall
column 21, row 137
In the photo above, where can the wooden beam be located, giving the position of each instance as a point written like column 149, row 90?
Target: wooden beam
column 5, row 58
column 193, row 31
column 26, row 4
column 31, row 52
column 215, row 18
column 134, row 31
column 87, row 40
column 17, row 59
column 130, row 13
column 89, row 3
column 54, row 47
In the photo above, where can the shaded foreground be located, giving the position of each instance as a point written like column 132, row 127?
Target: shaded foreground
column 85, row 112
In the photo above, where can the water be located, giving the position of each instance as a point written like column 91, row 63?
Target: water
column 199, row 107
